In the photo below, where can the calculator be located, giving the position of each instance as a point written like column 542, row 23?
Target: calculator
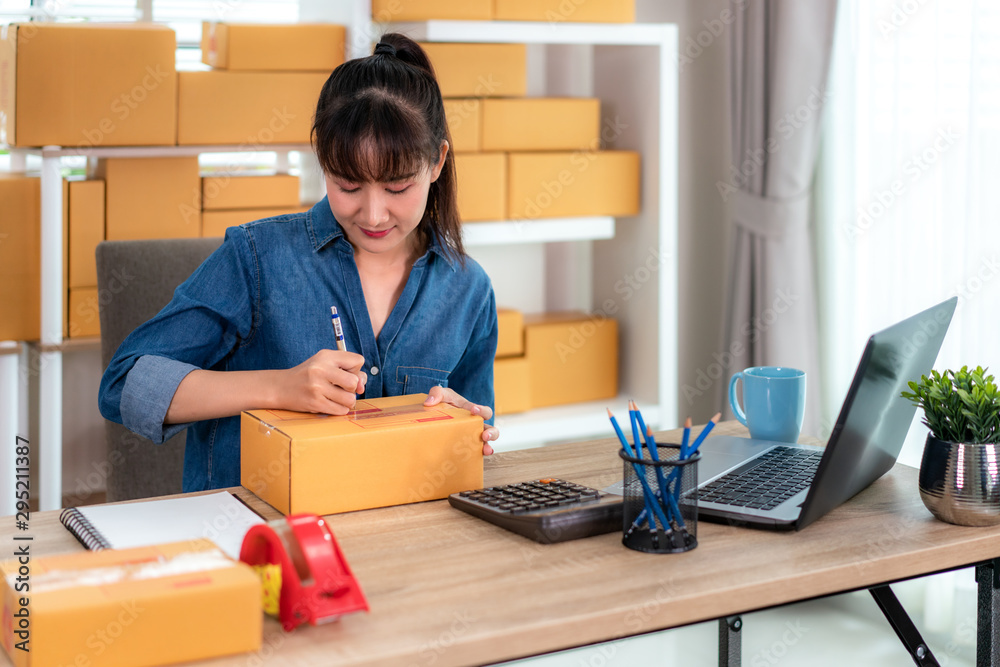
column 545, row 510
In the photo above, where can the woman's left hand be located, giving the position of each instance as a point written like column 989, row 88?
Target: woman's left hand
column 444, row 395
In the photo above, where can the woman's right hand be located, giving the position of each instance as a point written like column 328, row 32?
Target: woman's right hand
column 327, row 383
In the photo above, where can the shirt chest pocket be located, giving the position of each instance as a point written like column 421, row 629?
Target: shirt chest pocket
column 419, row 380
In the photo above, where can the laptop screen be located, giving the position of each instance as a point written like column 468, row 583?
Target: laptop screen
column 874, row 419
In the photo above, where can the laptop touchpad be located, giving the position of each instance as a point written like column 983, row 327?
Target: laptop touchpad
column 725, row 452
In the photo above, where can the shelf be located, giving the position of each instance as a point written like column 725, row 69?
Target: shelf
column 152, row 151
column 537, row 231
column 535, row 32
column 568, row 422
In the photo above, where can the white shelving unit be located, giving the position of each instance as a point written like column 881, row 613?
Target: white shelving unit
column 632, row 272
column 634, row 73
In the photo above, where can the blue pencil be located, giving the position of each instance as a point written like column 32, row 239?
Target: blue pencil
column 651, row 446
column 636, row 439
column 704, row 434
column 648, row 494
column 686, row 438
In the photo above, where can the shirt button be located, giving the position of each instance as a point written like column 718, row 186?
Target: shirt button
column 374, row 370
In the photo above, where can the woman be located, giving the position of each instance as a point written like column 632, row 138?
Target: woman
column 251, row 327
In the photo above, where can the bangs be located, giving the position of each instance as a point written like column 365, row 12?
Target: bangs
column 375, row 139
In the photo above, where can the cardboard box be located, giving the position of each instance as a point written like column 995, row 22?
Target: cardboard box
column 510, row 341
column 553, row 11
column 152, row 198
column 573, row 357
column 482, row 186
column 84, row 315
column 388, row 451
column 557, row 185
column 176, row 602
column 246, row 108
column 72, row 84
column 20, row 257
column 215, row 223
column 261, row 47
column 385, row 11
column 541, row 124
column 85, row 224
column 228, row 191
column 479, row 70
column 511, row 385
column 464, row 124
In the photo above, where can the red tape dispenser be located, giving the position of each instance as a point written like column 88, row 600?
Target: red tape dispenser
column 316, row 583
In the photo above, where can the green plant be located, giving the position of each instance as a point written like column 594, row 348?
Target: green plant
column 959, row 406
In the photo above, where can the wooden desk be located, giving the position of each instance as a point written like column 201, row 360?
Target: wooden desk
column 448, row 589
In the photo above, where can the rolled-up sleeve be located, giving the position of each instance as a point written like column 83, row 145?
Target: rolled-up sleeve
column 149, row 389
column 211, row 314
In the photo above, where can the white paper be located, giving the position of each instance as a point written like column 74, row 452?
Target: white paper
column 219, row 517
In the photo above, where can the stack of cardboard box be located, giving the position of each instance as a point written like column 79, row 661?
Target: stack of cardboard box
column 261, row 90
column 521, row 158
column 602, row 11
column 229, row 200
column 553, row 359
column 263, row 85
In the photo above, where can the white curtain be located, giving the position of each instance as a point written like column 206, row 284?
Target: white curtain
column 907, row 206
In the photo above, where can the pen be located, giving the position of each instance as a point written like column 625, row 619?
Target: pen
column 338, row 329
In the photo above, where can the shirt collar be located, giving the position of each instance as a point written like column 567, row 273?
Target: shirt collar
column 324, row 229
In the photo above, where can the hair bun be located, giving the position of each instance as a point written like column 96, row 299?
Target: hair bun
column 384, row 48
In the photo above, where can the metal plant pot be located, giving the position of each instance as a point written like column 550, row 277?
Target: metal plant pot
column 960, row 483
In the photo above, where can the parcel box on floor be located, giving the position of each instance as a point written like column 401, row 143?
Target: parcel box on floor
column 170, row 603
column 572, row 357
column 387, row 451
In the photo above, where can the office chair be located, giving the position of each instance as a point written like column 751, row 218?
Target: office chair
column 139, row 278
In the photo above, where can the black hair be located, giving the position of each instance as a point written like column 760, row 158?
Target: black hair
column 381, row 118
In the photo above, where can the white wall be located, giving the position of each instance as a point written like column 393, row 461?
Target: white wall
column 703, row 160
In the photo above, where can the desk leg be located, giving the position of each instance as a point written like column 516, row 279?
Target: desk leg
column 730, row 649
column 901, row 623
column 988, row 618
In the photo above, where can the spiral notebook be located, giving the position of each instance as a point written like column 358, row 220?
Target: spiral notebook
column 220, row 517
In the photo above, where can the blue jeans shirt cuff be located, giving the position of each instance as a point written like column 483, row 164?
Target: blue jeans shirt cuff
column 149, row 388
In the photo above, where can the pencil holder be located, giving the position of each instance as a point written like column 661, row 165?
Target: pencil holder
column 660, row 513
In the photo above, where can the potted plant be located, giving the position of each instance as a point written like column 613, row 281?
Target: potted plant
column 960, row 469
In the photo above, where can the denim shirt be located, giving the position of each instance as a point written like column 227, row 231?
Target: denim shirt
column 262, row 301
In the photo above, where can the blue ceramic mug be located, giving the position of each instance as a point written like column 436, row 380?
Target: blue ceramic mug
column 774, row 398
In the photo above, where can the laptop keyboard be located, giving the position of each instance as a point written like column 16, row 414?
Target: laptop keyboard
column 778, row 475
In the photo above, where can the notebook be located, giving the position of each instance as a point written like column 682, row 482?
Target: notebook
column 863, row 445
column 220, row 517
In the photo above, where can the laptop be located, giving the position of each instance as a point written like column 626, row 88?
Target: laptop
column 807, row 482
